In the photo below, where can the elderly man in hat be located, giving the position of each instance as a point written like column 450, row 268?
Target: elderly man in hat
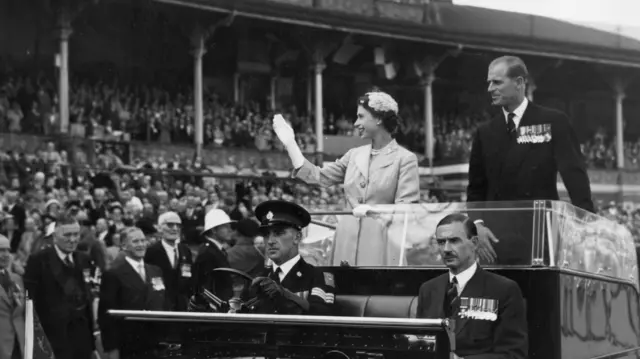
column 11, row 306
column 291, row 285
column 217, row 234
column 174, row 258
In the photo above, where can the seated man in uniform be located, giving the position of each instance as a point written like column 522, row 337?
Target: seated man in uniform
column 488, row 309
column 291, row 285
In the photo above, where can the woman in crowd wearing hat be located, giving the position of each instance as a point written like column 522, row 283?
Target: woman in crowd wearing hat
column 379, row 173
column 290, row 285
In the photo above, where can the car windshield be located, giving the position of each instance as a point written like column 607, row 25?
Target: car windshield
column 529, row 233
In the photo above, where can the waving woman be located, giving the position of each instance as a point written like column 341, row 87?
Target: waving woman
column 380, row 173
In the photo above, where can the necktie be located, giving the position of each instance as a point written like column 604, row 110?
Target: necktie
column 275, row 275
column 175, row 257
column 141, row 270
column 68, row 262
column 451, row 297
column 511, row 124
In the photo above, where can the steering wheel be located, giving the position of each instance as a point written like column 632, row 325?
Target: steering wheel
column 239, row 299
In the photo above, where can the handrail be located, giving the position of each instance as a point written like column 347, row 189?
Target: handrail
column 272, row 319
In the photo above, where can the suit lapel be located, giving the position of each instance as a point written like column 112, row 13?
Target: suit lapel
column 473, row 289
column 164, row 255
column 5, row 296
column 501, row 140
column 132, row 275
column 362, row 156
column 55, row 264
column 437, row 297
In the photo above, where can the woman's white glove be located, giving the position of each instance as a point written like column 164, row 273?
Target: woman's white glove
column 361, row 210
column 288, row 138
column 283, row 131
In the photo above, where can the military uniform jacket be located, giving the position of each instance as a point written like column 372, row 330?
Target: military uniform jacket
column 209, row 258
column 123, row 288
column 501, row 169
column 505, row 336
column 310, row 283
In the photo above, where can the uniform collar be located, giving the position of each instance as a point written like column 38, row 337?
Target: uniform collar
column 287, row 266
column 215, row 242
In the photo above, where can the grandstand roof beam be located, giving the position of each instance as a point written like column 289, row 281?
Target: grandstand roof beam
column 341, row 23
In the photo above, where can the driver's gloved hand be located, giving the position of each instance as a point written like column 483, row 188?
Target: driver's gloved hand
column 267, row 286
column 197, row 305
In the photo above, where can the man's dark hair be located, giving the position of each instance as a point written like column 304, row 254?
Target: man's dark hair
column 515, row 67
column 469, row 227
column 65, row 219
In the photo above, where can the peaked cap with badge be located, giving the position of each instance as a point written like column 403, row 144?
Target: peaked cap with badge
column 282, row 213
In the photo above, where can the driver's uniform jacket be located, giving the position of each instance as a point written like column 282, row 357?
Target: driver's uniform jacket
column 310, row 283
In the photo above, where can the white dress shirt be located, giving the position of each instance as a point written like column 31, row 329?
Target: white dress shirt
column 171, row 252
column 464, row 277
column 286, row 267
column 216, row 242
column 518, row 112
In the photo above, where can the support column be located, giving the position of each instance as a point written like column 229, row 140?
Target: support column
column 274, row 92
column 619, row 97
column 65, row 31
column 427, row 82
column 236, row 87
column 309, row 93
column 198, row 43
column 318, row 68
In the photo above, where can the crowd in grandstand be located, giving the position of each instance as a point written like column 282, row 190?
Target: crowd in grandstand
column 144, row 113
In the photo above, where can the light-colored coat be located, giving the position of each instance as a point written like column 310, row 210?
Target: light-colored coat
column 390, row 177
column 12, row 317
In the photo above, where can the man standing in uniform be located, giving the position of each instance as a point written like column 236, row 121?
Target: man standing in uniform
column 131, row 284
column 174, row 259
column 488, row 309
column 217, row 234
column 291, row 286
column 517, row 157
column 58, row 279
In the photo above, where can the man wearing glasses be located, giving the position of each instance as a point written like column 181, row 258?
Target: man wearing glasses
column 174, row 258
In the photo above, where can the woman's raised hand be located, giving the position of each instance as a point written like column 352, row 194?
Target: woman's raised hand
column 283, row 131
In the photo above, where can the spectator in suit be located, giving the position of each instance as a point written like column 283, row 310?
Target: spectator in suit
column 12, row 299
column 57, row 278
column 175, row 261
column 15, row 209
column 517, row 155
column 380, row 173
column 491, row 321
column 131, row 284
column 244, row 255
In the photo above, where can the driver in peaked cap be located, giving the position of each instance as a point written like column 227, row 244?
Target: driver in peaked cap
column 290, row 285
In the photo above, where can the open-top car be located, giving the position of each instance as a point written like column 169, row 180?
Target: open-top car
column 577, row 272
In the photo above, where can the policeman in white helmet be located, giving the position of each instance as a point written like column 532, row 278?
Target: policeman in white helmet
column 217, row 235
